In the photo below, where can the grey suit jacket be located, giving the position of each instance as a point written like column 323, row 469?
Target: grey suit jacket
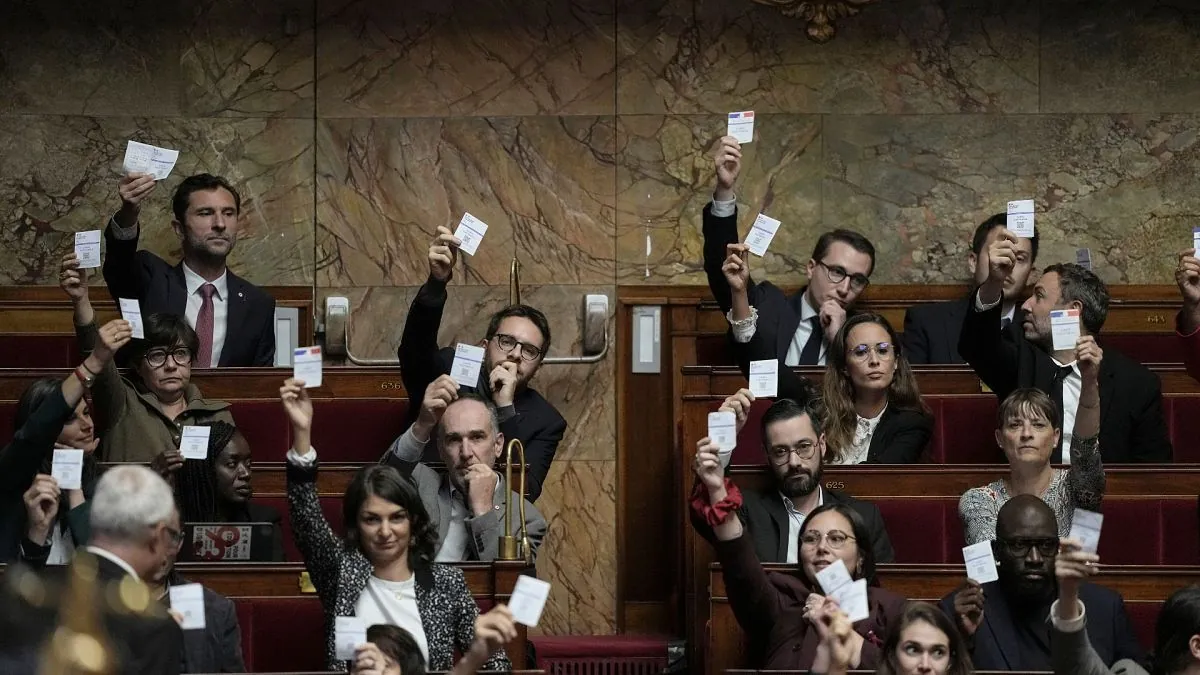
column 1072, row 654
column 217, row 648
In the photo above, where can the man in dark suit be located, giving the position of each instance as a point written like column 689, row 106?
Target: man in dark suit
column 775, row 516
column 517, row 340
column 1132, row 427
column 931, row 330
column 1007, row 622
column 234, row 319
column 796, row 329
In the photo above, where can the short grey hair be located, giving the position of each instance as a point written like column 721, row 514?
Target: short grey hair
column 128, row 501
column 493, row 414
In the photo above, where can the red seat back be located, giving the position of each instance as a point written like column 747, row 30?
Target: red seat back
column 282, row 634
column 923, row 530
column 38, row 351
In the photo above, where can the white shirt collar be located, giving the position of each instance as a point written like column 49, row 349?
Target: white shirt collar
column 807, row 311
column 116, row 560
column 195, row 281
column 791, row 506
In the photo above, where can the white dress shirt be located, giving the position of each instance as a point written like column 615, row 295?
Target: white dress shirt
column 796, row 524
column 220, row 302
column 454, row 545
column 393, row 603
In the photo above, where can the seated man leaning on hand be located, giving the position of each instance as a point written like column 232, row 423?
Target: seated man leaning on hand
column 467, row 502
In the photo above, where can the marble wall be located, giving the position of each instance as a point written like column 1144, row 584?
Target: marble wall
column 581, row 132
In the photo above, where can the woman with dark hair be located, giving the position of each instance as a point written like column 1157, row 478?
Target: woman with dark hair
column 873, row 408
column 37, row 522
column 924, row 642
column 1027, row 430
column 383, row 571
column 391, row 650
column 144, row 411
column 782, row 609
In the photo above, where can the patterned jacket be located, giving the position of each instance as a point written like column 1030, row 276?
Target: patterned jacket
column 340, row 575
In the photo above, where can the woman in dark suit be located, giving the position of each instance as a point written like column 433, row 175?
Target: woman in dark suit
column 873, row 409
column 383, row 572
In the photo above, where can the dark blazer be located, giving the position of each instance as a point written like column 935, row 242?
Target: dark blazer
column 931, row 331
column 778, row 313
column 900, row 437
column 767, row 522
column 217, row 648
column 996, row 646
column 340, row 574
column 770, row 609
column 159, row 287
column 1131, row 418
column 533, row 421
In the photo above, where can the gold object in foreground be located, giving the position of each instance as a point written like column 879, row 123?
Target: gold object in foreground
column 514, row 548
column 514, row 283
column 820, row 15
column 79, row 645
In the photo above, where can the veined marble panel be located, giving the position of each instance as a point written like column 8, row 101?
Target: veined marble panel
column 58, row 175
column 898, row 56
column 439, row 58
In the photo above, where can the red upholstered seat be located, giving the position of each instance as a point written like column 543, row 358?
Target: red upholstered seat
column 1143, row 616
column 1182, row 413
column 38, row 351
column 356, row 430
column 964, row 430
column 1145, row 347
column 266, row 428
column 282, row 634
column 923, row 530
column 601, row 654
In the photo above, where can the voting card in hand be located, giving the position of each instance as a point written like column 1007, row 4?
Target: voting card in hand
column 1020, row 218
column 528, row 600
column 194, row 443
column 468, row 360
column 348, row 633
column 833, row 577
column 143, row 158
column 306, row 366
column 852, row 598
column 132, row 312
column 1064, row 326
column 722, row 430
column 741, row 126
column 764, row 378
column 87, row 249
column 1085, row 526
column 470, row 232
column 67, row 468
column 1196, row 240
column 761, row 234
column 188, row 600
column 981, row 563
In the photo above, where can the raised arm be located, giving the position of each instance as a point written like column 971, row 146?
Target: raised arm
column 124, row 274
column 467, row 613
column 981, row 342
column 108, row 395
column 720, row 219
column 1085, row 477
column 493, row 631
column 418, row 343
column 978, row 510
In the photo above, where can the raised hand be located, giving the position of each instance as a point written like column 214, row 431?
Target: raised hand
column 739, row 404
column 41, row 507
column 1089, row 355
column 298, row 406
column 1187, row 276
column 707, row 466
column 112, row 336
column 503, row 381
column 495, row 629
column 480, row 481
column 73, row 280
column 1072, row 566
column 443, row 254
column 833, row 317
column 167, row 463
column 728, row 158
column 438, row 396
column 968, row 607
column 134, row 187
column 368, row 660
column 736, row 266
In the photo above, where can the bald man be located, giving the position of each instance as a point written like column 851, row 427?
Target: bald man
column 1006, row 622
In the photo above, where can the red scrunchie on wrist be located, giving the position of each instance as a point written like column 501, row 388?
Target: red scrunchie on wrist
column 715, row 514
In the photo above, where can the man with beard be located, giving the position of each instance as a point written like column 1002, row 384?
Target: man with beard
column 517, row 340
column 794, row 443
column 466, row 503
column 234, row 319
column 1132, row 427
column 1006, row 622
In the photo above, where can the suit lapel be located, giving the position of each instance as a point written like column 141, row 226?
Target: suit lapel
column 788, row 325
column 1107, row 389
column 177, row 291
column 953, row 329
column 781, row 521
column 999, row 623
column 236, row 315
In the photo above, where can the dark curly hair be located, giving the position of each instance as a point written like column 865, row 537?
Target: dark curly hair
column 398, row 645
column 386, row 483
column 196, row 485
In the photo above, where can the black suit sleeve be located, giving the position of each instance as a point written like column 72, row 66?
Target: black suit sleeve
column 155, row 645
column 418, row 352
column 228, row 636
column 881, row 543
column 127, row 271
column 915, row 339
column 983, row 345
column 539, row 450
column 718, row 233
column 907, row 436
column 264, row 347
column 1148, row 439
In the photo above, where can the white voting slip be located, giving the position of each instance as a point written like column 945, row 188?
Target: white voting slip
column 1196, row 239
column 188, row 600
column 87, row 249
column 1085, row 526
column 722, row 430
column 468, row 360
column 306, row 366
column 981, row 562
column 67, row 468
column 143, row 158
column 348, row 633
column 470, row 232
column 528, row 600
column 194, row 443
column 741, row 126
column 1020, row 218
column 761, row 234
column 132, row 312
column 1064, row 326
column 851, row 595
column 764, row 378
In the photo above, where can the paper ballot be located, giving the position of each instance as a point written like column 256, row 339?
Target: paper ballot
column 1085, row 526
column 722, row 430
column 142, row 158
column 194, row 443
column 528, row 599
column 981, row 563
column 131, row 312
column 741, row 126
column 306, row 366
column 761, row 234
column 1020, row 218
column 764, row 378
column 468, row 359
column 1083, row 258
column 1196, row 239
column 348, row 633
column 1064, row 325
column 67, row 468
column 470, row 232
column 87, row 249
column 851, row 595
column 188, row 600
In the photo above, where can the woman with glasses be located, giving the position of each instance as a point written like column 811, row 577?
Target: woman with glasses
column 779, row 611
column 873, row 408
column 1028, row 431
column 143, row 413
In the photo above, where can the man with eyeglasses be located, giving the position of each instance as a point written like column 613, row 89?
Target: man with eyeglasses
column 794, row 329
column 1006, row 622
column 794, row 442
column 516, row 343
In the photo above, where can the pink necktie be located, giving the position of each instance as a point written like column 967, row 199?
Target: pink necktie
column 204, row 326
